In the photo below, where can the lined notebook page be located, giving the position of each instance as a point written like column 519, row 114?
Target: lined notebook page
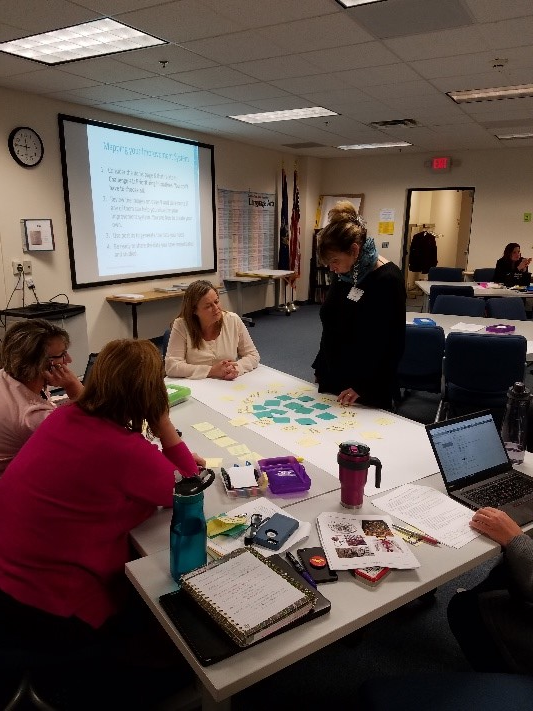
column 245, row 590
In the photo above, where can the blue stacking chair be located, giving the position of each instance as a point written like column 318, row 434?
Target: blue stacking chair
column 507, row 307
column 445, row 274
column 421, row 365
column 438, row 289
column 459, row 305
column 477, row 371
column 164, row 343
column 484, row 274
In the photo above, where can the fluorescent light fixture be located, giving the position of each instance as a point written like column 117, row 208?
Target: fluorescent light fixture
column 289, row 115
column 90, row 39
column 354, row 3
column 500, row 92
column 511, row 136
column 361, row 146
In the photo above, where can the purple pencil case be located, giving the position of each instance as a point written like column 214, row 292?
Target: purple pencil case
column 285, row 475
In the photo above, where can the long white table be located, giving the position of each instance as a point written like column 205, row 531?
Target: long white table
column 522, row 328
column 479, row 291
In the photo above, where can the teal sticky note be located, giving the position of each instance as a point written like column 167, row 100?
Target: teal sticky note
column 305, row 421
column 263, row 413
column 271, row 403
column 283, row 397
column 304, row 410
column 278, row 412
column 326, row 416
column 321, row 406
column 293, row 405
column 281, row 420
column 258, row 407
column 305, row 398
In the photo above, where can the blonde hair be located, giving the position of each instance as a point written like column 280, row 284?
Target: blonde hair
column 345, row 227
column 23, row 355
column 194, row 292
column 126, row 385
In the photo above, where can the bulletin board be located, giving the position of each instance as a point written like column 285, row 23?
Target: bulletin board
column 246, row 228
column 326, row 202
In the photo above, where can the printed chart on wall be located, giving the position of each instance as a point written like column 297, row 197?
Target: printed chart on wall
column 309, row 424
column 246, row 231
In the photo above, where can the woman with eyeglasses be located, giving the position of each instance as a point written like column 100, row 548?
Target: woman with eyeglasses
column 363, row 316
column 206, row 341
column 34, row 356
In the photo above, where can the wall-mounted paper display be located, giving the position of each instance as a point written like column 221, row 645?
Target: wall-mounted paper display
column 37, row 235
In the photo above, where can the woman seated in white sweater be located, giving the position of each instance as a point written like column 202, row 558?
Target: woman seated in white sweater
column 206, row 341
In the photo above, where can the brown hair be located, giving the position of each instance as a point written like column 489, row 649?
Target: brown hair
column 509, row 249
column 23, row 355
column 345, row 228
column 194, row 292
column 126, row 385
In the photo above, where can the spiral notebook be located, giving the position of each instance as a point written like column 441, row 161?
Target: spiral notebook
column 208, row 640
column 247, row 595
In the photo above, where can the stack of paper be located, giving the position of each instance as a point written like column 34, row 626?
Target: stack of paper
column 351, row 541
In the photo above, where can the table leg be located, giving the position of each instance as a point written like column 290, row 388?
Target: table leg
column 240, row 308
column 278, row 307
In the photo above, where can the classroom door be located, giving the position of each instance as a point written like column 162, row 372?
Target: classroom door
column 447, row 212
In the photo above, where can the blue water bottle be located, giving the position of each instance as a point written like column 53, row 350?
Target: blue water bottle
column 188, row 528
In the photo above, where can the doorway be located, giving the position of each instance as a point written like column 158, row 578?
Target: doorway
column 446, row 213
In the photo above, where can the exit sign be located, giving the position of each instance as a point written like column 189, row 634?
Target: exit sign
column 441, row 164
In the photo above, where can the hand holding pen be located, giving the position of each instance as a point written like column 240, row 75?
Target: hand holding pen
column 298, row 567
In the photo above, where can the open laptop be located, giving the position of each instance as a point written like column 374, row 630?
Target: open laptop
column 476, row 468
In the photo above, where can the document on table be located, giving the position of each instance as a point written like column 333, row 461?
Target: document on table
column 461, row 326
column 431, row 512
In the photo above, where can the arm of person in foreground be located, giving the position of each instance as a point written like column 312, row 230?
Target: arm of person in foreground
column 499, row 527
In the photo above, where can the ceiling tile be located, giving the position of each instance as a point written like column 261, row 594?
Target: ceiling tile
column 212, row 78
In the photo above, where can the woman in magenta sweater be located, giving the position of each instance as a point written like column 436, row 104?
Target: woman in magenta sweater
column 68, row 500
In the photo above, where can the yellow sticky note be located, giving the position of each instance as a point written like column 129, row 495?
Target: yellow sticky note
column 214, row 434
column 308, row 442
column 384, row 421
column 239, row 421
column 203, row 426
column 211, row 462
column 225, row 441
column 239, row 449
column 371, row 435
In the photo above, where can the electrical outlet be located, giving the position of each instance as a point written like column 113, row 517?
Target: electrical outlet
column 26, row 265
column 18, row 267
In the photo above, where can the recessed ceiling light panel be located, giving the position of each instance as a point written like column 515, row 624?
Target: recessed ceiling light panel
column 361, row 146
column 494, row 94
column 355, row 3
column 91, row 39
column 289, row 115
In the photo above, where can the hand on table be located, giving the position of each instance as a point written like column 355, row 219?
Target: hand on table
column 495, row 524
column 347, row 397
column 224, row 370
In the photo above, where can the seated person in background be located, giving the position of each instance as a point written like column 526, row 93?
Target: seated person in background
column 206, row 341
column 493, row 622
column 363, row 315
column 34, row 355
column 512, row 268
column 69, row 499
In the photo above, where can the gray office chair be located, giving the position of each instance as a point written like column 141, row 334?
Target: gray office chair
column 459, row 306
column 485, row 274
column 506, row 307
column 445, row 274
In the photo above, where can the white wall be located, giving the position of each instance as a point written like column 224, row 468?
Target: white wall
column 503, row 182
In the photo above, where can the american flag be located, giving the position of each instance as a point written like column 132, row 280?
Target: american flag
column 294, row 241
column 283, row 256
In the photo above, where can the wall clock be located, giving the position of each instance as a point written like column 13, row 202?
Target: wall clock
column 25, row 146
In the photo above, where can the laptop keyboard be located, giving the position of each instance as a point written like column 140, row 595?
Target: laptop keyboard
column 501, row 492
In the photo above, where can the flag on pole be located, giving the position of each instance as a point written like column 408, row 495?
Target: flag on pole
column 283, row 254
column 294, row 240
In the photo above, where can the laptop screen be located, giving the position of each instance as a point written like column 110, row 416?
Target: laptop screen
column 466, row 446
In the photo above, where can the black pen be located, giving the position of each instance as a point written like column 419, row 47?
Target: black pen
column 298, row 567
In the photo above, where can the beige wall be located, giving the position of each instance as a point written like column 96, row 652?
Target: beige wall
column 503, row 181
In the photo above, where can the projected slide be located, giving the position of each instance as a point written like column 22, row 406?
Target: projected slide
column 139, row 205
